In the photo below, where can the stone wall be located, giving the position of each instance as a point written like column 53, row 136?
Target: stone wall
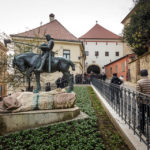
column 132, row 67
column 135, row 66
column 145, row 63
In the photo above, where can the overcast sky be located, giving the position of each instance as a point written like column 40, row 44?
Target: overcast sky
column 78, row 16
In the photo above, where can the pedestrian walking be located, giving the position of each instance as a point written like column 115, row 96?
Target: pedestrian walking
column 48, row 87
column 115, row 87
column 104, row 76
column 116, row 80
column 143, row 86
column 57, row 82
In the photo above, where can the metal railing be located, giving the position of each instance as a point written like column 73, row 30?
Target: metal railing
column 133, row 107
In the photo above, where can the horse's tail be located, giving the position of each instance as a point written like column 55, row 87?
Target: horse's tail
column 72, row 65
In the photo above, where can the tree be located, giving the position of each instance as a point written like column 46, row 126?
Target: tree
column 7, row 76
column 137, row 32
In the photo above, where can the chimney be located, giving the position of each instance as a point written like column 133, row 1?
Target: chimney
column 51, row 17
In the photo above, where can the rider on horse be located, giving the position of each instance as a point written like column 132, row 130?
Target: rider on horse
column 47, row 53
column 28, row 62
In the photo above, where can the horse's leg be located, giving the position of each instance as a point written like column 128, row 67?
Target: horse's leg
column 29, row 85
column 38, row 85
column 68, row 76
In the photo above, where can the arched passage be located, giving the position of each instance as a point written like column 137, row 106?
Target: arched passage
column 93, row 68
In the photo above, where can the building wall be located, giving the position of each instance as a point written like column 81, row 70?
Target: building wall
column 142, row 63
column 133, row 75
column 102, row 46
column 75, row 54
column 126, row 48
column 120, row 67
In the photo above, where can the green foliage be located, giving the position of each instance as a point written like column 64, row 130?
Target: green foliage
column 80, row 134
column 75, row 135
column 110, row 136
column 140, row 1
column 137, row 32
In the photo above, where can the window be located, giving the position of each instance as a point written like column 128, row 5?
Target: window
column 87, row 53
column 123, row 67
column 116, row 68
column 106, row 70
column 117, row 53
column 96, row 53
column 66, row 54
column 110, row 70
column 106, row 53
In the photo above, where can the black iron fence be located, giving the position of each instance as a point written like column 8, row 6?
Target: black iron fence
column 132, row 107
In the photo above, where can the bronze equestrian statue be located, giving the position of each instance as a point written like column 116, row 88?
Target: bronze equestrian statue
column 30, row 62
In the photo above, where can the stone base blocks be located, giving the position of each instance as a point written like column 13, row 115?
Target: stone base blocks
column 11, row 122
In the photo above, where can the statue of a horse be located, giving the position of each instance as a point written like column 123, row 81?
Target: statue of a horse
column 28, row 62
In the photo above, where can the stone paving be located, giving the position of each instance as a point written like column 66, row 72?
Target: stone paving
column 130, row 85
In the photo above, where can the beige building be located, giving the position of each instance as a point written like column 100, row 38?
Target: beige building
column 65, row 45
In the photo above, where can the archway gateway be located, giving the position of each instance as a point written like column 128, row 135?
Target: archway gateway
column 93, row 68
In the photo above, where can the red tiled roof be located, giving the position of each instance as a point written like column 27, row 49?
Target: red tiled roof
column 99, row 32
column 54, row 28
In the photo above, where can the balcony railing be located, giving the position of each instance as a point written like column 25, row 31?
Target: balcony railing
column 133, row 107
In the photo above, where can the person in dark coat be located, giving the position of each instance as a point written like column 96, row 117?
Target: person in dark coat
column 143, row 86
column 57, row 82
column 115, row 89
column 48, row 87
column 104, row 77
column 116, row 80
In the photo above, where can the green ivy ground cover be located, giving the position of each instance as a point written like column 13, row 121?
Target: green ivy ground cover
column 94, row 133
column 111, row 138
column 75, row 135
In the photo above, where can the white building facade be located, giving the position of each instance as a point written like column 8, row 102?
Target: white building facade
column 101, row 48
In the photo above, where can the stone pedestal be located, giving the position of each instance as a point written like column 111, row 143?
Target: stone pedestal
column 11, row 122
